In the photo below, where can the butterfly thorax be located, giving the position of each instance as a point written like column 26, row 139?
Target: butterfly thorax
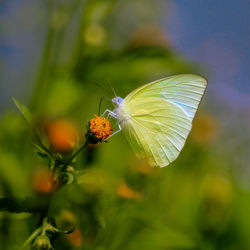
column 120, row 110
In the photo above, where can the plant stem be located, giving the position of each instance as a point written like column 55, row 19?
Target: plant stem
column 77, row 152
column 32, row 236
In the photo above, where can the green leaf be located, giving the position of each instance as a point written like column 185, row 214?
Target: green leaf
column 28, row 204
column 8, row 204
column 42, row 152
column 101, row 221
column 89, row 177
column 23, row 109
column 13, row 174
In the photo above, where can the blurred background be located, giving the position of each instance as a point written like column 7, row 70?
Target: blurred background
column 60, row 57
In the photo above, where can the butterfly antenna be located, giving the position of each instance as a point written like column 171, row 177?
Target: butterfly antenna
column 100, row 104
column 101, row 86
column 112, row 89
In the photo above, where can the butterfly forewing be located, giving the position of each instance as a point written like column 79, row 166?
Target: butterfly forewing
column 184, row 90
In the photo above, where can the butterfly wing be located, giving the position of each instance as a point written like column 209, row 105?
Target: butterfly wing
column 185, row 90
column 160, row 116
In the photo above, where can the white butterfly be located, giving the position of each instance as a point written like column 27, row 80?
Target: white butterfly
column 157, row 117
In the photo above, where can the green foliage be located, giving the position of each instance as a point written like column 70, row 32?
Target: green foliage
column 23, row 109
column 113, row 200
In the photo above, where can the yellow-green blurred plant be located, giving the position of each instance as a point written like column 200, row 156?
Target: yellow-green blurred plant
column 111, row 199
column 60, row 153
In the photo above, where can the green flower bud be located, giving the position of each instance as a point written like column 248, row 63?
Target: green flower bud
column 42, row 242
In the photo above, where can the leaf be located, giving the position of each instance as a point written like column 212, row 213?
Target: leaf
column 92, row 181
column 101, row 221
column 53, row 229
column 8, row 204
column 27, row 204
column 13, row 174
column 41, row 151
column 23, row 109
column 89, row 177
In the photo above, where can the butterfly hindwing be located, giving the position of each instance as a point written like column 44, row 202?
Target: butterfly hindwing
column 157, row 130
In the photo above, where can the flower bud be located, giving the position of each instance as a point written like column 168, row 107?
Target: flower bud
column 42, row 242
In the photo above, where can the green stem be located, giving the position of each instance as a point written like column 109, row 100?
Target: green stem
column 32, row 236
column 52, row 164
column 44, row 226
column 37, row 136
column 77, row 152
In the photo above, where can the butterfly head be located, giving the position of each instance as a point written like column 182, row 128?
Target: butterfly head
column 117, row 101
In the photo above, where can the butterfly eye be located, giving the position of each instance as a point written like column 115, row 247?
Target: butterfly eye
column 117, row 100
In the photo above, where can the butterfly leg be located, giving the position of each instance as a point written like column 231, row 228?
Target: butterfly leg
column 110, row 113
column 117, row 131
column 113, row 114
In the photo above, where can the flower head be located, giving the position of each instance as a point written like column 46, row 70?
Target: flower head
column 100, row 128
column 206, row 129
column 43, row 182
column 127, row 193
column 76, row 238
column 62, row 135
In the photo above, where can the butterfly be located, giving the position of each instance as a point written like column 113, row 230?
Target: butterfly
column 156, row 118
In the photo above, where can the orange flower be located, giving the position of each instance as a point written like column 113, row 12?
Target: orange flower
column 126, row 192
column 62, row 135
column 42, row 181
column 75, row 238
column 142, row 167
column 68, row 216
column 100, row 127
column 149, row 36
column 205, row 129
